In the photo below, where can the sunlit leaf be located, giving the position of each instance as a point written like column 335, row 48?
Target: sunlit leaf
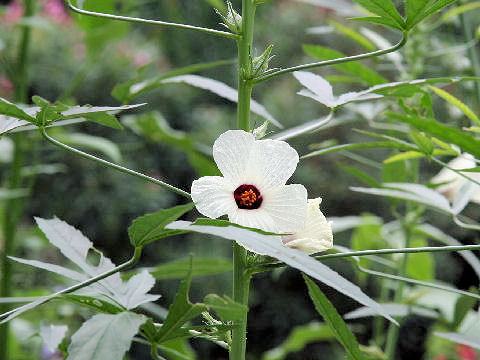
column 105, row 336
column 272, row 246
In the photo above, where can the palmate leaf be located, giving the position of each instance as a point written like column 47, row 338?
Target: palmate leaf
column 257, row 241
column 105, row 336
column 385, row 9
column 418, row 10
column 75, row 246
column 325, row 308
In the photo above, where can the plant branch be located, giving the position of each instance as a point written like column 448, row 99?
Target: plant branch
column 152, row 22
column 135, row 258
column 114, row 166
column 332, row 61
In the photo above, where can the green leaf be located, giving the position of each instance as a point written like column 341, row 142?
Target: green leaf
column 91, row 142
column 218, row 4
column 460, row 9
column 380, row 21
column 225, row 307
column 449, row 134
column 178, row 349
column 105, row 337
column 151, row 227
column 456, row 102
column 354, row 35
column 440, row 4
column 10, row 109
column 369, row 145
column 334, row 320
column 179, row 269
column 354, row 68
column 181, row 311
column 299, row 338
column 383, row 8
column 423, row 142
column 420, row 266
column 9, row 123
column 272, row 246
column 414, row 10
column 394, row 171
column 463, row 305
column 365, row 178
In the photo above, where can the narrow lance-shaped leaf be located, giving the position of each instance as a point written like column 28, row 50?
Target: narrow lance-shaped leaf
column 334, row 320
column 257, row 241
column 181, row 311
column 105, row 336
column 461, row 339
column 222, row 90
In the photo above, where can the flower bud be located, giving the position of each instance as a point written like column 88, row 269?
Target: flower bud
column 232, row 19
column 261, row 131
column 260, row 63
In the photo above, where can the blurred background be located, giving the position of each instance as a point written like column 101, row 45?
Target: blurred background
column 81, row 61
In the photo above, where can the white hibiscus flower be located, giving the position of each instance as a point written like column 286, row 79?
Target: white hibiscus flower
column 316, row 235
column 453, row 180
column 252, row 191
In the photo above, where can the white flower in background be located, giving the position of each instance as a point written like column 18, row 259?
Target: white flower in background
column 316, row 235
column 455, row 181
column 252, row 191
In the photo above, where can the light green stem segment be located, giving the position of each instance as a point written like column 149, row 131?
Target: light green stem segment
column 14, row 208
column 114, row 166
column 392, row 335
column 333, row 61
column 241, row 276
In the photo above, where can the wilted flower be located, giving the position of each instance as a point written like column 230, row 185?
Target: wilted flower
column 316, row 235
column 252, row 191
column 454, row 181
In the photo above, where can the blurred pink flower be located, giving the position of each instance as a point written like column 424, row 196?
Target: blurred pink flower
column 14, row 12
column 6, row 86
column 55, row 10
column 141, row 58
column 466, row 352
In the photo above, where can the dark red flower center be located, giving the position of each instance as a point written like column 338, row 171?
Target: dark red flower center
column 247, row 197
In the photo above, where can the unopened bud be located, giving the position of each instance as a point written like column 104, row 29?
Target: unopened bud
column 232, row 19
column 260, row 131
column 260, row 63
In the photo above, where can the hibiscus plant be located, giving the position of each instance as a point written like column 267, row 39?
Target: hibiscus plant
column 270, row 223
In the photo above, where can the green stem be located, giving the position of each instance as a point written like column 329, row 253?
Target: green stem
column 241, row 276
column 114, row 166
column 14, row 208
column 472, row 52
column 392, row 335
column 332, row 61
column 266, row 266
column 135, row 258
column 151, row 22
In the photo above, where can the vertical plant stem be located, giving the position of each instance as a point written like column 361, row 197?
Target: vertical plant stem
column 241, row 277
column 392, row 335
column 472, row 53
column 14, row 207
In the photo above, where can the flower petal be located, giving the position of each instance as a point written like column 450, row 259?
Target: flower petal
column 231, row 152
column 213, row 196
column 317, row 234
column 283, row 210
column 271, row 163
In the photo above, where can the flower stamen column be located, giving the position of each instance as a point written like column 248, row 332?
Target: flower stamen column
column 241, row 276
